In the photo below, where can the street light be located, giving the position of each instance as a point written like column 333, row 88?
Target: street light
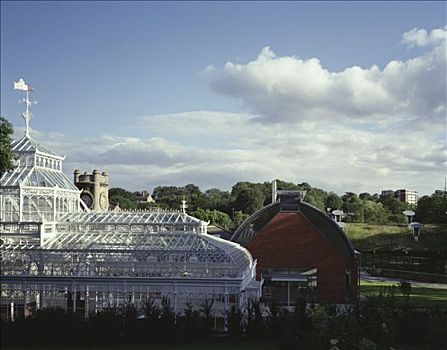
column 417, row 227
column 409, row 215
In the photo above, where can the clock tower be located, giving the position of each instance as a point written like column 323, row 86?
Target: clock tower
column 95, row 189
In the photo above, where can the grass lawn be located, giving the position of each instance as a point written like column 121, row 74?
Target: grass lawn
column 419, row 296
column 387, row 237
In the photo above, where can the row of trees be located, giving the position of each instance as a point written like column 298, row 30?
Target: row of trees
column 378, row 323
column 229, row 208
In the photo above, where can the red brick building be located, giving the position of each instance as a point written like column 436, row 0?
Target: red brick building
column 302, row 253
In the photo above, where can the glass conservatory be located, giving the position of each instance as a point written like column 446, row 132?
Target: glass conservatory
column 37, row 189
column 55, row 253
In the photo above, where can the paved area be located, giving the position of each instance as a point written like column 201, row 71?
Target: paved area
column 366, row 277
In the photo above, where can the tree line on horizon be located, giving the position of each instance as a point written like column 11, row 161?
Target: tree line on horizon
column 229, row 209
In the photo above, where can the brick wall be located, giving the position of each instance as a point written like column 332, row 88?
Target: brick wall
column 289, row 240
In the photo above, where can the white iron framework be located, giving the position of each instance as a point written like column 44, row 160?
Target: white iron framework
column 55, row 254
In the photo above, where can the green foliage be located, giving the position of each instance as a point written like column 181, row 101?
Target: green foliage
column 230, row 209
column 6, row 155
column 393, row 237
column 433, row 209
column 247, row 197
column 393, row 205
column 369, row 197
column 353, row 206
column 379, row 322
column 214, row 216
column 121, row 197
column 238, row 218
column 169, row 196
column 374, row 213
column 333, row 201
column 315, row 197
column 217, row 199
column 415, row 296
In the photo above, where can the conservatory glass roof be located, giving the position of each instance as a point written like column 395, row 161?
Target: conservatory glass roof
column 130, row 254
column 37, row 177
column 27, row 144
column 155, row 217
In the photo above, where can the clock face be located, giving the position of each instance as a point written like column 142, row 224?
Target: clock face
column 87, row 199
column 103, row 201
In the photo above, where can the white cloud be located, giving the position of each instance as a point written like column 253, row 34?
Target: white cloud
column 292, row 89
column 420, row 37
column 227, row 147
column 354, row 130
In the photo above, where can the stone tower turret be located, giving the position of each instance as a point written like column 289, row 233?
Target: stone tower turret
column 95, row 189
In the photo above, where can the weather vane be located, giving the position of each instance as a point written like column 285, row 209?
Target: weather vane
column 21, row 85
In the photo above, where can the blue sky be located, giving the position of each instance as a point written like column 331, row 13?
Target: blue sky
column 128, row 77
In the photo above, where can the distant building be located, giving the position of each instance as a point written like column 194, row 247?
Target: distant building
column 386, row 193
column 143, row 197
column 407, row 196
column 95, row 189
column 302, row 253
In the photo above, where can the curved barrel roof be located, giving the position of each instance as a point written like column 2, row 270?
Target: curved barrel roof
column 325, row 225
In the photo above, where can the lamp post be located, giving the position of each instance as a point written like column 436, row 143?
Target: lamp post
column 417, row 227
column 338, row 214
column 409, row 215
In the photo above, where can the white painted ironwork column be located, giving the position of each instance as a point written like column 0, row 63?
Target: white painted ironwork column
column 37, row 295
column 20, row 205
column 226, row 302
column 86, row 302
column 96, row 302
column 12, row 310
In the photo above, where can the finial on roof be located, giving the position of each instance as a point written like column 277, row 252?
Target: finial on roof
column 22, row 86
column 184, row 205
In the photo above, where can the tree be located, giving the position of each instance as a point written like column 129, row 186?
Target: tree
column 314, row 196
column 123, row 198
column 353, row 206
column 217, row 199
column 304, row 186
column 333, row 201
column 432, row 209
column 215, row 216
column 6, row 155
column 394, row 205
column 194, row 196
column 170, row 196
column 374, row 213
column 238, row 218
column 247, row 197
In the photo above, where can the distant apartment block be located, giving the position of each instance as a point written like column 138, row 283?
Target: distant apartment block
column 406, row 196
